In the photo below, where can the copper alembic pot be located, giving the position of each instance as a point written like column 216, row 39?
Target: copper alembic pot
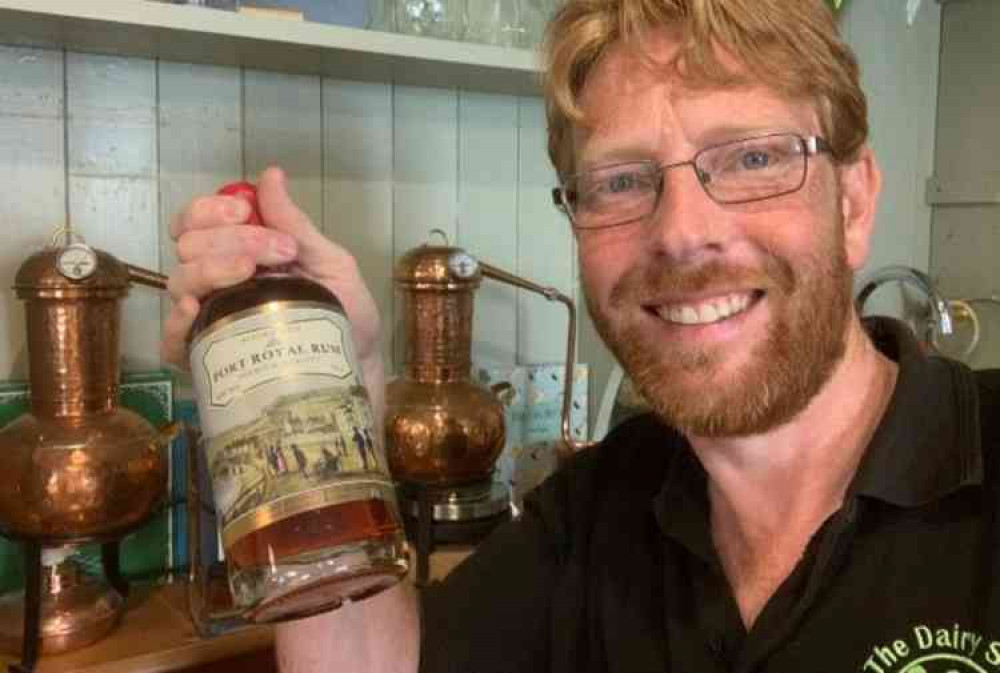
column 78, row 468
column 444, row 433
column 442, row 429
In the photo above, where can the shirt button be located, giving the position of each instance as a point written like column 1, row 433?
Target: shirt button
column 717, row 646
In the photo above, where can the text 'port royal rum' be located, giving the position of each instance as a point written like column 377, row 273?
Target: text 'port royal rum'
column 307, row 510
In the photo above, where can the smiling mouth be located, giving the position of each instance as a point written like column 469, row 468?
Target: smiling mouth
column 709, row 311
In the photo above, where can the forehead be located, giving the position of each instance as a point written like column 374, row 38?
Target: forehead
column 636, row 103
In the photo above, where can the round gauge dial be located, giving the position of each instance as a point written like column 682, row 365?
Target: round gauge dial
column 463, row 265
column 77, row 261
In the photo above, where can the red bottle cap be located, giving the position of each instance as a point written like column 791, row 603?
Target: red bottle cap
column 248, row 192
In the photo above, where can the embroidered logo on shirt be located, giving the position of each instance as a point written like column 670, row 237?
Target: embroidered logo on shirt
column 933, row 649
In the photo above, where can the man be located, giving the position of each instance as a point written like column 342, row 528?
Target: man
column 810, row 494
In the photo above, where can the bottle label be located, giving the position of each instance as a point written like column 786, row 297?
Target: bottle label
column 286, row 420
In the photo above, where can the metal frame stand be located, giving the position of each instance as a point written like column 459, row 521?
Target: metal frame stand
column 110, row 561
column 32, row 608
column 427, row 533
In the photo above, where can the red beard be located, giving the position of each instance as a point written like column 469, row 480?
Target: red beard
column 789, row 365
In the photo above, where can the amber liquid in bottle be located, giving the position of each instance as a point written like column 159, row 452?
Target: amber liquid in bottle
column 317, row 530
column 309, row 518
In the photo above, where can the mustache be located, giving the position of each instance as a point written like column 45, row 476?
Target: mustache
column 653, row 281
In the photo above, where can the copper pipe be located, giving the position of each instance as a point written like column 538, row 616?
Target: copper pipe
column 142, row 276
column 552, row 294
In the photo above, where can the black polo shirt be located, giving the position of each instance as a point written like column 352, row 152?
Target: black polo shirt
column 612, row 567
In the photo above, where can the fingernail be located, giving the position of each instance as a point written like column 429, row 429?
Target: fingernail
column 243, row 268
column 237, row 209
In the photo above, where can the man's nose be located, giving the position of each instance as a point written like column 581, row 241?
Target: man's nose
column 687, row 224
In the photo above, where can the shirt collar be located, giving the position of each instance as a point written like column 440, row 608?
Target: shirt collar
column 926, row 446
column 928, row 442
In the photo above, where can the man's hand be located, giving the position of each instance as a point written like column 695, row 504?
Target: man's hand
column 216, row 250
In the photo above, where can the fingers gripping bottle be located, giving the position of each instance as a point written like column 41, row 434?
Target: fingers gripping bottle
column 307, row 511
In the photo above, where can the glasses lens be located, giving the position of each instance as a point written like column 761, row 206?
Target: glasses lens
column 612, row 195
column 754, row 169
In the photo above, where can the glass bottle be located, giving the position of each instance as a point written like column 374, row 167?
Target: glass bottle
column 430, row 18
column 535, row 16
column 308, row 517
column 381, row 15
column 495, row 22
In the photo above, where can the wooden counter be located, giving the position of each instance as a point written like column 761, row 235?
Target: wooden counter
column 156, row 635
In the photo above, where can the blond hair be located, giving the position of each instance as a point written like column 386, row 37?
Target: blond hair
column 793, row 46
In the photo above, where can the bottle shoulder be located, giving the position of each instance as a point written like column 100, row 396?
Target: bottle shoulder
column 261, row 289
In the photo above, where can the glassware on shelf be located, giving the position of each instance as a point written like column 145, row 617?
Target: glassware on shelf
column 534, row 16
column 494, row 22
column 430, row 18
column 382, row 15
column 351, row 13
column 229, row 5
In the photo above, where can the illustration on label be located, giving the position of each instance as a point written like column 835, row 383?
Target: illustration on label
column 302, row 424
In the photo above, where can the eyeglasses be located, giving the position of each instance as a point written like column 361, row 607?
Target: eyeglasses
column 742, row 171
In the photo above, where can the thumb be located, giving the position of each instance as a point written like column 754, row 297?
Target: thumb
column 280, row 213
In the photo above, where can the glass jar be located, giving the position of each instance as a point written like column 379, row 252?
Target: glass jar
column 495, row 22
column 535, row 16
column 430, row 18
column 382, row 16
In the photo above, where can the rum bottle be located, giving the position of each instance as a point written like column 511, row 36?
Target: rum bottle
column 307, row 511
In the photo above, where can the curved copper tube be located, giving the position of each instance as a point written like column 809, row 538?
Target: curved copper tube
column 552, row 294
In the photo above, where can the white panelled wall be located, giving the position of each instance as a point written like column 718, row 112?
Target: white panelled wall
column 899, row 68
column 377, row 167
column 118, row 145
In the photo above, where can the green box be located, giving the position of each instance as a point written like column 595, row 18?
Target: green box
column 146, row 554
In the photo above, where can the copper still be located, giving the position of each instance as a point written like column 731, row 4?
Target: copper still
column 442, row 429
column 77, row 468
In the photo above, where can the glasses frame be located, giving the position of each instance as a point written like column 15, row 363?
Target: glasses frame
column 810, row 145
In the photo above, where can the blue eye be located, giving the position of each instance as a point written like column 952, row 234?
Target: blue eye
column 622, row 182
column 614, row 185
column 755, row 160
column 616, row 191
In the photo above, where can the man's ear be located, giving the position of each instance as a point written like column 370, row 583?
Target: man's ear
column 860, row 185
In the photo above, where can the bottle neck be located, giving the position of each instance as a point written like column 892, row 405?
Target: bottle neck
column 279, row 271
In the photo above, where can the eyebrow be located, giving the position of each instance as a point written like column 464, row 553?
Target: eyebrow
column 614, row 155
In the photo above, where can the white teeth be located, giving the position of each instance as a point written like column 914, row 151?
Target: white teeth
column 707, row 312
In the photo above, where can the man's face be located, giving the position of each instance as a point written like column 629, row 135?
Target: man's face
column 729, row 318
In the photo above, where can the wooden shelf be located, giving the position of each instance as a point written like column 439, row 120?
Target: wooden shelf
column 207, row 36
column 155, row 635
